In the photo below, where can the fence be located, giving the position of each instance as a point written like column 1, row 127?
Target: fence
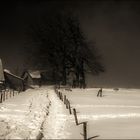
column 68, row 106
column 7, row 93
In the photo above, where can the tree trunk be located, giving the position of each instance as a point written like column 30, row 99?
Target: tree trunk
column 64, row 75
column 64, row 67
column 54, row 76
column 77, row 79
column 83, row 74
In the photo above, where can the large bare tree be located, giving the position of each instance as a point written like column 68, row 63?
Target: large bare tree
column 60, row 44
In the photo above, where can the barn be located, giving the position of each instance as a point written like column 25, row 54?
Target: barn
column 9, row 80
column 12, row 81
column 32, row 77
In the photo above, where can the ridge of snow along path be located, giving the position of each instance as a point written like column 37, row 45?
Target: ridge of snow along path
column 21, row 117
column 59, row 123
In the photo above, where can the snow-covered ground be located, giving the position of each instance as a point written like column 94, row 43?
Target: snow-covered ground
column 60, row 124
column 39, row 113
column 116, row 115
column 22, row 116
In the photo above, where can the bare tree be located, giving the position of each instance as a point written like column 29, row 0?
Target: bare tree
column 60, row 44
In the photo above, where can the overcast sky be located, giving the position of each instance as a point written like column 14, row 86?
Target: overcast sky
column 113, row 25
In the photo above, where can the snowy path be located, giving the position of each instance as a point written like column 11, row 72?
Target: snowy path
column 39, row 113
column 59, row 124
column 21, row 117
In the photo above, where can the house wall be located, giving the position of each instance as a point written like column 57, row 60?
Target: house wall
column 13, row 82
column 36, row 81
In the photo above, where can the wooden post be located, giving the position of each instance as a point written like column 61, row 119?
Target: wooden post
column 69, row 106
column 1, row 96
column 10, row 93
column 75, row 115
column 18, row 91
column 56, row 91
column 6, row 94
column 13, row 92
column 64, row 99
column 85, row 130
column 61, row 96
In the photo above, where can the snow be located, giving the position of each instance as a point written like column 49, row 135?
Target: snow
column 35, row 74
column 39, row 114
column 8, row 71
column 21, row 116
column 116, row 115
column 60, row 124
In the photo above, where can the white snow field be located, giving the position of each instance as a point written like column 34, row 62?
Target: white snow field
column 60, row 124
column 22, row 116
column 39, row 114
column 116, row 115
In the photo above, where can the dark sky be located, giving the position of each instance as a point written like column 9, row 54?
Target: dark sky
column 113, row 25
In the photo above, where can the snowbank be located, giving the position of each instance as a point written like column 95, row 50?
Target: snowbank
column 116, row 115
column 21, row 117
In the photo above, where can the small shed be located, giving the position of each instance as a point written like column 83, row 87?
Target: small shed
column 32, row 77
column 12, row 81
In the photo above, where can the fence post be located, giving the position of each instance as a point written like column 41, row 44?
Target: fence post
column 4, row 95
column 13, row 92
column 75, row 115
column 1, row 96
column 69, row 106
column 64, row 99
column 18, row 91
column 10, row 93
column 85, row 130
column 59, row 95
column 57, row 92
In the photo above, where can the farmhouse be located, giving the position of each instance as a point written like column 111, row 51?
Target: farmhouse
column 32, row 77
column 12, row 81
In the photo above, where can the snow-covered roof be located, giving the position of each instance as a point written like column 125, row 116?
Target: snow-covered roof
column 35, row 74
column 7, row 71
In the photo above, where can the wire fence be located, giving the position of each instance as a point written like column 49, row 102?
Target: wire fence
column 73, row 111
column 7, row 93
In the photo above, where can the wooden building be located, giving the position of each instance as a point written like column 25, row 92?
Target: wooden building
column 32, row 77
column 12, row 81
